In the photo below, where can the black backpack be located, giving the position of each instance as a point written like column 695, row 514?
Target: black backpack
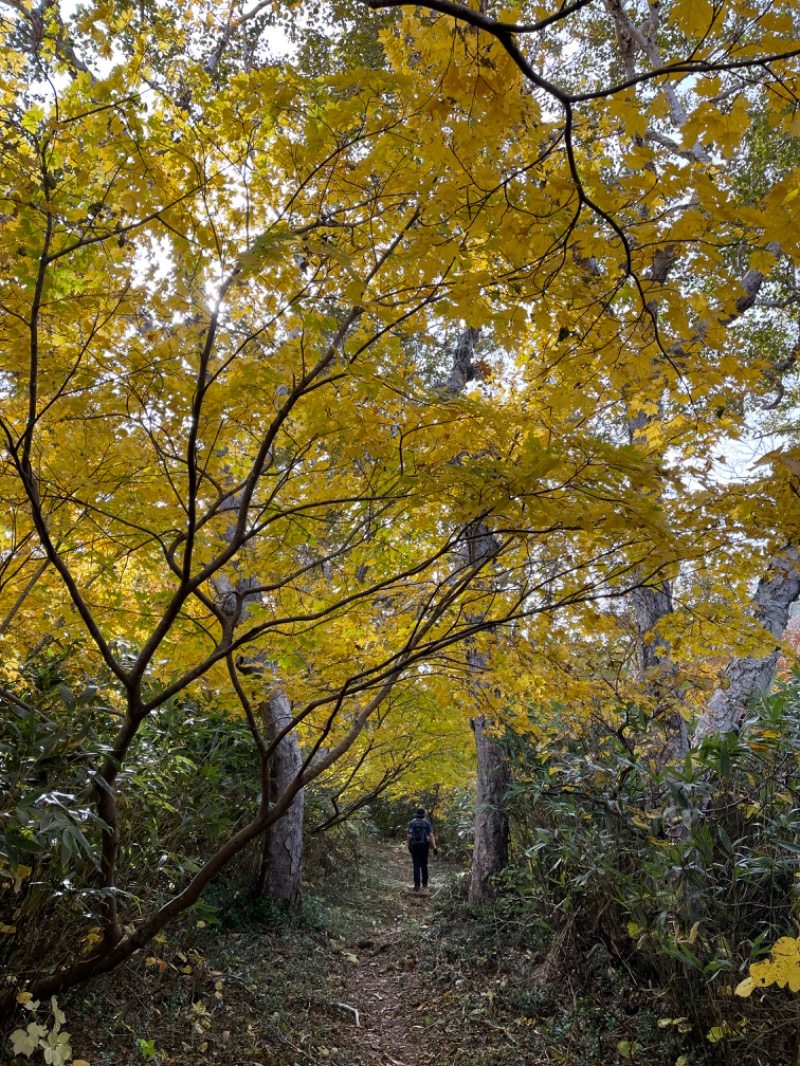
column 418, row 831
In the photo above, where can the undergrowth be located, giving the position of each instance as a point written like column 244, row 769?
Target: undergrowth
column 658, row 892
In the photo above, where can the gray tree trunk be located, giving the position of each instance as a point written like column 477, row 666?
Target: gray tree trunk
column 282, row 870
column 281, row 873
column 490, row 853
column 743, row 679
column 650, row 605
column 490, row 850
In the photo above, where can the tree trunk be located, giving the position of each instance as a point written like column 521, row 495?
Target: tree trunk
column 490, row 853
column 748, row 677
column 650, row 605
column 282, row 870
column 490, row 850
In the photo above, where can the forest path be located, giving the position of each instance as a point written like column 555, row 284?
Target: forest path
column 429, row 985
column 384, row 986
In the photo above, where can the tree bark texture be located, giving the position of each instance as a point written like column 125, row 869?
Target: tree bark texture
column 282, row 876
column 490, row 853
column 748, row 677
column 281, row 873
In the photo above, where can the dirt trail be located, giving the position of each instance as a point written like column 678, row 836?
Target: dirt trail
column 284, row 994
column 385, row 987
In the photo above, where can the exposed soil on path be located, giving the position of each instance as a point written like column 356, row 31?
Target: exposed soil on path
column 385, row 986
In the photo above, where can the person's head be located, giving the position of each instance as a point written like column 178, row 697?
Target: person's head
column 420, row 812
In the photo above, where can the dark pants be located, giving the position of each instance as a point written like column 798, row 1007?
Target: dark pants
column 419, row 854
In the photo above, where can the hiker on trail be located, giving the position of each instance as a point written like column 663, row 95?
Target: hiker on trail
column 420, row 838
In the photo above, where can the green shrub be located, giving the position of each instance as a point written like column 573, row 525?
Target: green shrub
column 685, row 877
column 190, row 780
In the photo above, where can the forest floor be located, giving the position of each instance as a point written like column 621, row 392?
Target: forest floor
column 378, row 976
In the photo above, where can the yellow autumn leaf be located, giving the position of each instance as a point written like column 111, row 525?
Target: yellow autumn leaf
column 692, row 17
column 782, row 968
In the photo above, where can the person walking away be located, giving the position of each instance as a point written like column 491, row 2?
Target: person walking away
column 420, row 838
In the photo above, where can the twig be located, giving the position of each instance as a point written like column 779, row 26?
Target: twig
column 346, row 1006
column 500, row 1029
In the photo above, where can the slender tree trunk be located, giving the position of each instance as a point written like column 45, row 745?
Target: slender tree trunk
column 262, row 881
column 490, row 853
column 743, row 679
column 490, row 850
column 282, row 870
